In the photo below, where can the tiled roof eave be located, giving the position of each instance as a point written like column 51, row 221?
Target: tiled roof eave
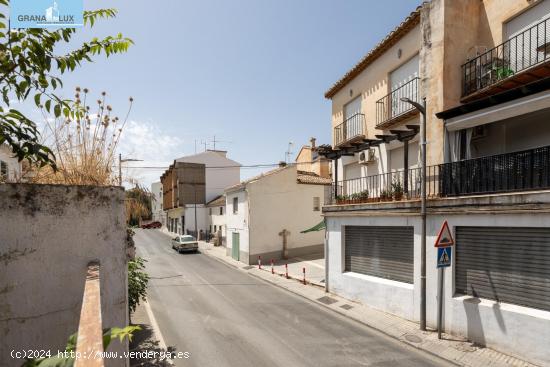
column 391, row 39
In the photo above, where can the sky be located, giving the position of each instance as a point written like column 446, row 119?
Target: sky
column 252, row 73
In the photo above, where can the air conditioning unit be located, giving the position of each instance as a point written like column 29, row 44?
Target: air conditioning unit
column 367, row 156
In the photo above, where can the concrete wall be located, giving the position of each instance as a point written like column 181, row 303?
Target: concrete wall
column 48, row 234
column 515, row 330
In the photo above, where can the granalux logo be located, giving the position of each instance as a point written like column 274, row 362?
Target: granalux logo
column 46, row 13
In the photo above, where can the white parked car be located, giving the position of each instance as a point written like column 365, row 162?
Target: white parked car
column 185, row 243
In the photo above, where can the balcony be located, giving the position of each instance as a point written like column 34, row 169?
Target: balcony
column 511, row 172
column 352, row 129
column 520, row 60
column 390, row 109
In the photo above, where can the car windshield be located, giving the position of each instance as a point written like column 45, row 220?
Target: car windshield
column 187, row 238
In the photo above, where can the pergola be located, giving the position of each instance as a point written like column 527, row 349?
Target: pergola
column 351, row 148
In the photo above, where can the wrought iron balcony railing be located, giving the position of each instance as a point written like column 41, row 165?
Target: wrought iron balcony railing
column 390, row 107
column 523, row 51
column 351, row 128
column 511, row 172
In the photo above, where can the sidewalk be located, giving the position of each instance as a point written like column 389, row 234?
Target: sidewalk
column 147, row 342
column 451, row 348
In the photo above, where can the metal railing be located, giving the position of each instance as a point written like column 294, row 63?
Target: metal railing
column 518, row 171
column 525, row 50
column 391, row 106
column 352, row 127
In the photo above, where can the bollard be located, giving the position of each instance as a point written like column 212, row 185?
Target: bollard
column 304, row 271
column 272, row 270
column 259, row 262
column 286, row 271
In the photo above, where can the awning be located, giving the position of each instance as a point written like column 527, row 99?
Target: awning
column 316, row 228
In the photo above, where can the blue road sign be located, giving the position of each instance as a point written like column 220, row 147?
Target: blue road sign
column 444, row 255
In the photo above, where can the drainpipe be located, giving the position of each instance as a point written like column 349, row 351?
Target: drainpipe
column 421, row 107
column 326, row 254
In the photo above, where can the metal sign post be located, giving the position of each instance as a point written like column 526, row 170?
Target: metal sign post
column 444, row 247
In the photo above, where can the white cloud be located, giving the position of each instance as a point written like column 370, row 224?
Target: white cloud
column 146, row 141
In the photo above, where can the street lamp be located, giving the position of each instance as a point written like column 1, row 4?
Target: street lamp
column 421, row 107
column 120, row 161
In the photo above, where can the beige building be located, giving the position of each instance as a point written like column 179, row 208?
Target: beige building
column 308, row 160
column 483, row 68
column 267, row 214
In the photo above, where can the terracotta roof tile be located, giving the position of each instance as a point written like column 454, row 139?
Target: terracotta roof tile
column 399, row 32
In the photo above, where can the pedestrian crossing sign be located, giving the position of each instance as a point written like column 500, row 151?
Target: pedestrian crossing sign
column 444, row 238
column 444, row 255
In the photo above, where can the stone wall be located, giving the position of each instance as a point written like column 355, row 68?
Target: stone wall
column 48, row 235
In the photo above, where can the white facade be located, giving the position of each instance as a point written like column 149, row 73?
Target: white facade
column 157, row 212
column 217, row 179
column 217, row 223
column 10, row 168
column 266, row 206
column 500, row 325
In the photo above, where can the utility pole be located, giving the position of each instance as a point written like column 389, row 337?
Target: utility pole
column 120, row 161
column 421, row 107
column 195, row 193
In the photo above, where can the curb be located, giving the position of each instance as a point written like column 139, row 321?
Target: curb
column 342, row 313
column 399, row 338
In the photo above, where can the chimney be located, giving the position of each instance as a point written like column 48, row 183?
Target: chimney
column 312, row 141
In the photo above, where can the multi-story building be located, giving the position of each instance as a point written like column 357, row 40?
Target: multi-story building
column 192, row 181
column 483, row 68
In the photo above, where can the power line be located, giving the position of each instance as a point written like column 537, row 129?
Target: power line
column 225, row 167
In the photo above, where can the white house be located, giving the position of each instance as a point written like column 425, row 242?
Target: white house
column 216, row 219
column 10, row 167
column 267, row 213
column 190, row 183
column 157, row 212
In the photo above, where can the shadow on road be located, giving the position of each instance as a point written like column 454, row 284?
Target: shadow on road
column 147, row 349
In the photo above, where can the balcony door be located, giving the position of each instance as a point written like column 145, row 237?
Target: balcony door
column 526, row 40
column 352, row 126
column 398, row 83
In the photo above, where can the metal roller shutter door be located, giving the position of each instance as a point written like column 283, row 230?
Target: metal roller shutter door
column 381, row 251
column 505, row 264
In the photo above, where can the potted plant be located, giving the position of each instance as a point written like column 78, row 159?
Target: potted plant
column 397, row 189
column 363, row 196
column 385, row 195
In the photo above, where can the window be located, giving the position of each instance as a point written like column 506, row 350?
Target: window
column 235, row 205
column 221, row 210
column 3, row 170
column 215, row 228
column 210, row 211
column 316, row 203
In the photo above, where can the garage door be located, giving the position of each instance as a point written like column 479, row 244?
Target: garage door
column 381, row 251
column 506, row 264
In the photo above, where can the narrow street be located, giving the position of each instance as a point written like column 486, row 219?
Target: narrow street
column 223, row 317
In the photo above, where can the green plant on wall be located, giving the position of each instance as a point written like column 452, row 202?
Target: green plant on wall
column 65, row 359
column 137, row 282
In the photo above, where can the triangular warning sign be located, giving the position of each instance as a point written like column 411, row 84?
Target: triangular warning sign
column 444, row 238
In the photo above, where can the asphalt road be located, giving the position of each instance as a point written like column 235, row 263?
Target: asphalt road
column 224, row 317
